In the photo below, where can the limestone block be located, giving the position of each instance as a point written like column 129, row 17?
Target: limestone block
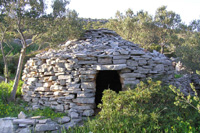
column 39, row 84
column 22, row 115
column 86, row 90
column 42, row 89
column 84, row 107
column 159, row 67
column 64, row 77
column 131, row 82
column 75, row 73
column 72, row 86
column 61, row 69
column 119, row 57
column 86, row 100
column 110, row 67
column 88, row 72
column 90, row 85
column 24, row 121
column 50, row 68
column 105, row 60
column 119, row 61
column 136, row 58
column 146, row 56
column 87, row 62
column 64, row 119
column 57, row 93
column 132, row 63
column 46, row 127
column 132, row 75
column 61, row 64
column 59, row 73
column 39, row 62
column 74, row 115
column 130, row 79
column 72, row 61
column 137, row 52
column 24, row 77
column 44, row 121
column 68, row 97
column 142, row 62
column 49, row 73
column 88, row 112
column 87, row 77
column 58, row 107
column 32, row 79
column 68, row 66
column 65, row 56
column 35, row 100
column 124, row 52
column 56, row 88
column 142, row 70
column 116, row 53
column 27, row 98
column 6, row 125
column 66, row 107
column 47, row 84
column 63, row 82
column 85, row 94
column 153, row 72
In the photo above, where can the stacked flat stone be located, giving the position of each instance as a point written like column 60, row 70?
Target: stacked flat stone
column 64, row 79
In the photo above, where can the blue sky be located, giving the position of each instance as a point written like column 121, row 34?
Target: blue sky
column 187, row 9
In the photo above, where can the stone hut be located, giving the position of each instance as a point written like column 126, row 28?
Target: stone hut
column 73, row 78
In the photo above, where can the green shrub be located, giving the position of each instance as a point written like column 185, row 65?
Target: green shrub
column 190, row 56
column 147, row 108
column 12, row 109
column 6, row 88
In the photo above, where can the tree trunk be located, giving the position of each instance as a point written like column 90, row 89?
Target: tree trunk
column 5, row 62
column 162, row 49
column 18, row 74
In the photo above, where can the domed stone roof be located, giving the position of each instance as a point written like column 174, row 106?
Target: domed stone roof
column 72, row 78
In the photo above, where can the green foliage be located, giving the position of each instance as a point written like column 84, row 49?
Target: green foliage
column 184, row 100
column 147, row 108
column 12, row 109
column 6, row 88
column 47, row 112
column 178, row 76
column 189, row 53
column 151, row 33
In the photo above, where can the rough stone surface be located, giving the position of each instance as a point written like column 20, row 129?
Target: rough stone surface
column 64, row 119
column 65, row 79
column 22, row 115
column 88, row 112
column 6, row 125
column 46, row 127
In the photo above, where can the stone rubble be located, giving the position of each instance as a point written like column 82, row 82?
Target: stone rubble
column 64, row 79
column 35, row 124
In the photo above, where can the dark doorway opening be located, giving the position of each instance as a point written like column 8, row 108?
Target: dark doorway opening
column 106, row 80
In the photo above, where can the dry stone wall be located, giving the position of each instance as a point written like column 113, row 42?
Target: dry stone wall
column 64, row 79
